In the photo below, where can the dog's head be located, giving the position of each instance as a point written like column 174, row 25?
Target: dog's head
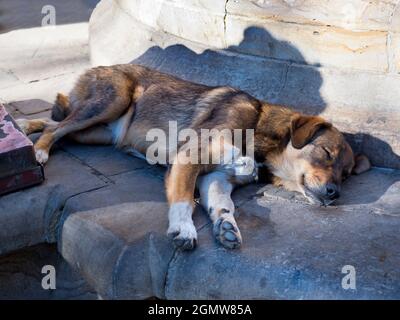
column 321, row 158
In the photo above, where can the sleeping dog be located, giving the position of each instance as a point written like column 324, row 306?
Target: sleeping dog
column 120, row 104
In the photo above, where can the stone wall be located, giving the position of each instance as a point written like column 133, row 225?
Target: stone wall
column 339, row 59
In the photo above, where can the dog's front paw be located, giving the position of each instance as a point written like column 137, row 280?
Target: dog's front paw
column 183, row 235
column 244, row 170
column 245, row 166
column 227, row 232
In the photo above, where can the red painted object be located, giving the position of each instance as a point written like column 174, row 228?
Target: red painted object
column 18, row 166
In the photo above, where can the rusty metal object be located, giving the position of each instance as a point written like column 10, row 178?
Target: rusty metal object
column 18, row 166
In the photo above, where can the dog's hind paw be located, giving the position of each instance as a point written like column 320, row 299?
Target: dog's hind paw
column 227, row 232
column 41, row 156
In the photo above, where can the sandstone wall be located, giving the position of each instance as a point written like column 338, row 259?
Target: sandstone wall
column 340, row 59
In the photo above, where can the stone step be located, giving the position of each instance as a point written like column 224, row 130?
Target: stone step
column 21, row 276
column 115, row 237
column 30, row 216
column 108, row 213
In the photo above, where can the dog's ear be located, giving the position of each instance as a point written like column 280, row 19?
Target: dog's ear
column 361, row 164
column 303, row 129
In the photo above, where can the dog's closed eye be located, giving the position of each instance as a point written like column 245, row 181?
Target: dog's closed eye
column 328, row 154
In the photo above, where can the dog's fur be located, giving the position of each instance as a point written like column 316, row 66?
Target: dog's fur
column 120, row 104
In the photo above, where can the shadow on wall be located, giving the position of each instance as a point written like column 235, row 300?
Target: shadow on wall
column 384, row 155
column 273, row 80
column 259, row 42
column 285, row 79
column 295, row 84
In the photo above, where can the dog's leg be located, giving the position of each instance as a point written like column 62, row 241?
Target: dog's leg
column 100, row 96
column 52, row 134
column 215, row 197
column 94, row 112
column 34, row 125
column 97, row 135
column 180, row 185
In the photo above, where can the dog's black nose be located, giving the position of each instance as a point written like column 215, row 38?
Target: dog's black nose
column 332, row 191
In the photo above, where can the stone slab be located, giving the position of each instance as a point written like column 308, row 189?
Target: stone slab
column 21, row 276
column 29, row 217
column 291, row 250
column 137, row 185
column 116, row 236
column 30, row 107
column 45, row 90
column 60, row 49
column 346, row 14
column 107, row 160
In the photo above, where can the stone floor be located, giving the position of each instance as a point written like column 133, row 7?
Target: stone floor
column 105, row 216
column 21, row 276
column 36, row 62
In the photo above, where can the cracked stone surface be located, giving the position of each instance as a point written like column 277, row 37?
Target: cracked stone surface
column 21, row 276
column 38, row 62
column 115, row 237
column 27, row 216
column 292, row 250
column 108, row 213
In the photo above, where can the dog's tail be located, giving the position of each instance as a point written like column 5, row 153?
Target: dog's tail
column 61, row 108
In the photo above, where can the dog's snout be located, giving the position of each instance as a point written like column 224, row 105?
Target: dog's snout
column 332, row 191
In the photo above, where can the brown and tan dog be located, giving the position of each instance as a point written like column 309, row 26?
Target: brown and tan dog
column 120, row 104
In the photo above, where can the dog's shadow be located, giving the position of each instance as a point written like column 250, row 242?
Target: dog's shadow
column 370, row 186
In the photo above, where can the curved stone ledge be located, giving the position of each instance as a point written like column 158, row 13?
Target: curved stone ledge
column 309, row 59
column 115, row 237
column 355, row 34
column 31, row 216
column 357, row 15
